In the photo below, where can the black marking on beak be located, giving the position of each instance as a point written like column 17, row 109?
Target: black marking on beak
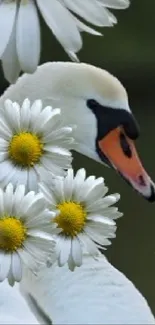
column 110, row 118
column 125, row 145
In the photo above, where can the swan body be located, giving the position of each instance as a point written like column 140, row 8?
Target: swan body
column 97, row 103
column 13, row 307
column 95, row 293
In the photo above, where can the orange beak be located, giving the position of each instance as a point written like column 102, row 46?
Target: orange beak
column 122, row 155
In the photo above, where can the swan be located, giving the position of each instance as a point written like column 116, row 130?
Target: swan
column 13, row 307
column 97, row 103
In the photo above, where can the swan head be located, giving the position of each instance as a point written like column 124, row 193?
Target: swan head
column 97, row 103
column 106, row 128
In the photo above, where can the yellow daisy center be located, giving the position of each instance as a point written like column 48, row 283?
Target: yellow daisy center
column 71, row 219
column 12, row 234
column 25, row 149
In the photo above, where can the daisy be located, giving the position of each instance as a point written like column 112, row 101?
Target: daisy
column 22, row 241
column 20, row 41
column 84, row 214
column 33, row 143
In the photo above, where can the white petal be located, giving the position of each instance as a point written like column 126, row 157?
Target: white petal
column 28, row 260
column 8, row 199
column 95, row 192
column 36, row 109
column 16, row 267
column 111, row 199
column 1, row 202
column 84, row 28
column 5, row 266
column 3, row 156
column 39, row 124
column 28, row 201
column 92, row 12
column 6, row 169
column 98, row 234
column 61, row 23
column 116, row 4
column 39, row 249
column 58, row 191
column 32, row 183
column 48, row 164
column 11, row 279
column 37, row 206
column 7, row 17
column 76, row 251
column 25, row 115
column 57, row 150
column 65, row 250
column 2, row 256
column 68, row 185
column 71, row 263
column 13, row 120
column 101, row 219
column 43, row 221
column 25, row 203
column 89, row 244
column 79, row 181
column 18, row 196
column 58, row 133
column 10, row 62
column 5, row 132
column 85, row 188
column 19, row 176
column 28, row 36
column 47, row 192
column 3, row 144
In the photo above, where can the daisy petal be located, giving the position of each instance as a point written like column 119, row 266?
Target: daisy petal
column 116, row 4
column 94, row 13
column 76, row 251
column 28, row 36
column 7, row 9
column 61, row 23
column 16, row 267
column 5, row 266
column 10, row 62
column 65, row 251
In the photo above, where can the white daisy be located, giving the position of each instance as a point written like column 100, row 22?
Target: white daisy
column 20, row 28
column 84, row 214
column 32, row 143
column 22, row 240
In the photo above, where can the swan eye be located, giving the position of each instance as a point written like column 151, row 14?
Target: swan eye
column 125, row 145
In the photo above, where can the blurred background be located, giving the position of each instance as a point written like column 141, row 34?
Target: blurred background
column 128, row 52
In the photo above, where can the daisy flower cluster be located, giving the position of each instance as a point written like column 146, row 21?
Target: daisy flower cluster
column 47, row 213
column 20, row 34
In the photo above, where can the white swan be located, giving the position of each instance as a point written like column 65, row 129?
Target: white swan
column 97, row 102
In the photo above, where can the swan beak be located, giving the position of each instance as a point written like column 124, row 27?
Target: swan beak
column 121, row 154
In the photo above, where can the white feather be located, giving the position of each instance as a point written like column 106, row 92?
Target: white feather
column 95, row 293
column 13, row 307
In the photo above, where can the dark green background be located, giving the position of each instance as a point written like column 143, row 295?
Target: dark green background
column 128, row 51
